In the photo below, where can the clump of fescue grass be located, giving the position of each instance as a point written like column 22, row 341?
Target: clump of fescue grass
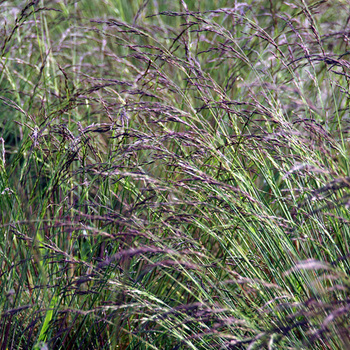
column 174, row 176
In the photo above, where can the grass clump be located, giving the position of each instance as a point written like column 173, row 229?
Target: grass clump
column 174, row 175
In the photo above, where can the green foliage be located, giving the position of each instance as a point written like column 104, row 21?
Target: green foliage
column 174, row 175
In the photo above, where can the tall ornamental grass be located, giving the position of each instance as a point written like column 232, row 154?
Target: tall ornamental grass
column 174, row 174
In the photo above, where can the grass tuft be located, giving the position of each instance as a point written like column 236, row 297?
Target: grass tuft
column 174, row 175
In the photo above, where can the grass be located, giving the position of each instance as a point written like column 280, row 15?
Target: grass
column 174, row 175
